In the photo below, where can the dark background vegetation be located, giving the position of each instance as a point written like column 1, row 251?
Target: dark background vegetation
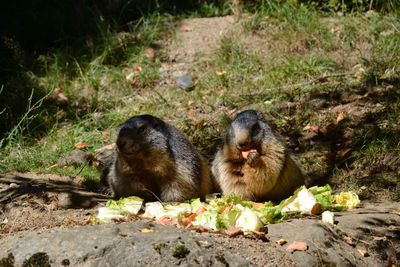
column 31, row 29
column 76, row 29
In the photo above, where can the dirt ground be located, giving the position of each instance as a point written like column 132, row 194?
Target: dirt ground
column 31, row 202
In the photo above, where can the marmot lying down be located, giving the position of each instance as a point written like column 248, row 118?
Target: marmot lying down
column 154, row 160
column 254, row 163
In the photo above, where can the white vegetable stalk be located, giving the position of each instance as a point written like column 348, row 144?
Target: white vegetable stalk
column 106, row 214
column 249, row 221
column 328, row 217
column 305, row 203
column 153, row 210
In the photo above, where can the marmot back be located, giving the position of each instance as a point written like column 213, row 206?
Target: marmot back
column 254, row 163
column 154, row 160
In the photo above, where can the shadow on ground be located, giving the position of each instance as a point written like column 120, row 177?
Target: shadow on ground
column 28, row 186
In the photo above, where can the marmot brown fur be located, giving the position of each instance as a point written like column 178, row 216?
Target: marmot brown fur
column 269, row 171
column 154, row 160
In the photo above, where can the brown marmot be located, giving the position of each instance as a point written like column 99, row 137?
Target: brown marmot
column 154, row 160
column 254, row 162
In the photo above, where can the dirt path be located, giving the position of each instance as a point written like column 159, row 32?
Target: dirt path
column 196, row 39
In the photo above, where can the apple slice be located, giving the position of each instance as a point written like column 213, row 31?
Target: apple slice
column 245, row 154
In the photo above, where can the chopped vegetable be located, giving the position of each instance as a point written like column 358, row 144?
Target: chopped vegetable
column 200, row 210
column 271, row 214
column 231, row 215
column 257, row 205
column 227, row 212
column 305, row 202
column 153, row 210
column 129, row 204
column 348, row 200
column 107, row 214
column 189, row 219
column 210, row 219
column 249, row 221
column 328, row 217
column 174, row 210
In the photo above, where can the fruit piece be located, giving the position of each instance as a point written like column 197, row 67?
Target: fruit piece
column 245, row 154
column 297, row 246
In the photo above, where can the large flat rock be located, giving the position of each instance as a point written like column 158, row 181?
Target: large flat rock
column 136, row 244
column 373, row 229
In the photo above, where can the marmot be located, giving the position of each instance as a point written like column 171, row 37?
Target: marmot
column 254, row 162
column 154, row 160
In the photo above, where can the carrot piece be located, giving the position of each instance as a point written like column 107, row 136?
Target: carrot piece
column 257, row 205
column 200, row 210
column 187, row 220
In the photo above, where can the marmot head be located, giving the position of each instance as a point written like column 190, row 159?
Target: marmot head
column 140, row 135
column 247, row 131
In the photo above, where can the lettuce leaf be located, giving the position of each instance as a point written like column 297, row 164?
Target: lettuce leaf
column 211, row 219
column 130, row 204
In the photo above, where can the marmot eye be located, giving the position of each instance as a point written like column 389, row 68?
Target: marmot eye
column 141, row 128
column 255, row 129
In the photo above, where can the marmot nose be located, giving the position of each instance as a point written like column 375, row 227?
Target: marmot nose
column 125, row 144
column 121, row 143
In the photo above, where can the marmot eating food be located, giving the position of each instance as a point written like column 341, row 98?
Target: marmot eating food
column 254, row 162
column 154, row 160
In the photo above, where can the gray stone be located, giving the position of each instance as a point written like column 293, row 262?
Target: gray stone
column 327, row 243
column 116, row 245
column 185, row 82
column 77, row 157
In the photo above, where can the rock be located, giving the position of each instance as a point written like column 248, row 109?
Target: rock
column 76, row 158
column 330, row 243
column 373, row 229
column 103, row 154
column 185, row 82
column 116, row 245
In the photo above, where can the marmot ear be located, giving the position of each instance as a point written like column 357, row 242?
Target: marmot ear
column 229, row 135
column 260, row 116
column 155, row 124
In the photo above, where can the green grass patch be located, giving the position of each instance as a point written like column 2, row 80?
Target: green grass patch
column 267, row 66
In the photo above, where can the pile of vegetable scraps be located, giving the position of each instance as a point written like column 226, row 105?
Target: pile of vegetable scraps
column 221, row 213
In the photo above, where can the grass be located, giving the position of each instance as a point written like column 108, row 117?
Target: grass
column 269, row 63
